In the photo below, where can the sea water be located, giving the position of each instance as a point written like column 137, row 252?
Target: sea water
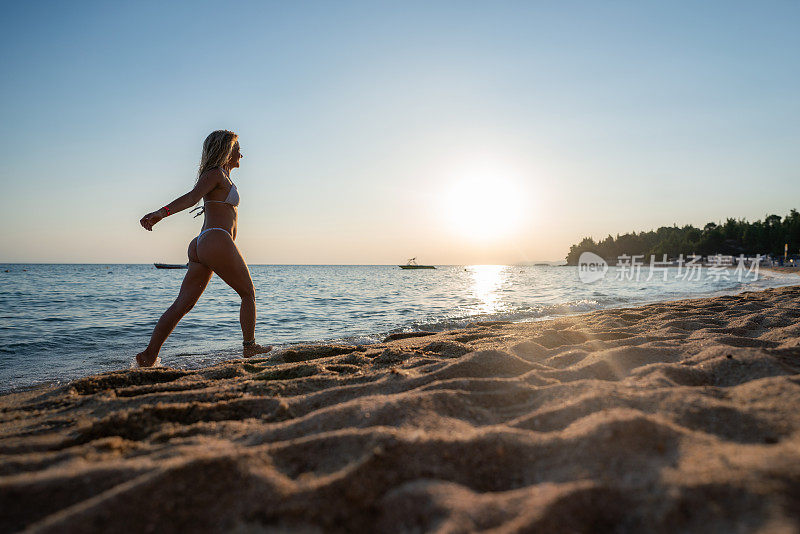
column 61, row 322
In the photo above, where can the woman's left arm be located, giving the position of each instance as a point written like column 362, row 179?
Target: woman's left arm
column 206, row 183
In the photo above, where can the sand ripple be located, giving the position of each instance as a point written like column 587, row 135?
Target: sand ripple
column 677, row 416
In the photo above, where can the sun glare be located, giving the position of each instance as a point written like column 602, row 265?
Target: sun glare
column 487, row 281
column 485, row 205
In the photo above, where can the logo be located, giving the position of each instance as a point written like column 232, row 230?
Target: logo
column 591, row 267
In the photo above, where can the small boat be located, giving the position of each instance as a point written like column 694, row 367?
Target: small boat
column 412, row 264
column 171, row 265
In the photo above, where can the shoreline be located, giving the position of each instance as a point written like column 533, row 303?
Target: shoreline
column 680, row 415
column 552, row 312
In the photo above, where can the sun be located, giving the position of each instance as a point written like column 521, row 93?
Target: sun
column 484, row 206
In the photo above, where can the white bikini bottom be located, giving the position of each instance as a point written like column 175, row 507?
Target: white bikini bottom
column 209, row 229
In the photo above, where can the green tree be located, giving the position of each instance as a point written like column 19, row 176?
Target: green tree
column 733, row 237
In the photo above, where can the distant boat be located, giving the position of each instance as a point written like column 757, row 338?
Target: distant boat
column 171, row 265
column 412, row 264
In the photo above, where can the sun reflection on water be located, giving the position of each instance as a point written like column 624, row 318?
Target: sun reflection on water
column 486, row 283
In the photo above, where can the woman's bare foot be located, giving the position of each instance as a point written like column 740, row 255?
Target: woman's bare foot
column 252, row 349
column 145, row 360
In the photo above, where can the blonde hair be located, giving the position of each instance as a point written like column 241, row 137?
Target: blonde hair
column 217, row 150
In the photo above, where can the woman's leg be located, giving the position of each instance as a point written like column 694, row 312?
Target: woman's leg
column 220, row 253
column 194, row 283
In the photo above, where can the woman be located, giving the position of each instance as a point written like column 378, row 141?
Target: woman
column 213, row 251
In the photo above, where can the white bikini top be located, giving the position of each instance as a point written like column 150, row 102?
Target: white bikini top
column 232, row 198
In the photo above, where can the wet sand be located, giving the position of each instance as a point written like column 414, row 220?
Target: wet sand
column 680, row 416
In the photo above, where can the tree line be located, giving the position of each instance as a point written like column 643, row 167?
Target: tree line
column 734, row 237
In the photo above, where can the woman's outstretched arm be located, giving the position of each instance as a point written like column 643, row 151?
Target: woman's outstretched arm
column 208, row 181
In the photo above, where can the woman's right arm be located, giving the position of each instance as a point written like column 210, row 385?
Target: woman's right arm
column 208, row 181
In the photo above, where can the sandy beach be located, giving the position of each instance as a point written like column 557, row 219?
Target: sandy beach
column 680, row 416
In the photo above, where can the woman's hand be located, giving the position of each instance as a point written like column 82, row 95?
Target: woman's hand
column 149, row 220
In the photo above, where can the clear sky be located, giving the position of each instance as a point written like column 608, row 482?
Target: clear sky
column 463, row 132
